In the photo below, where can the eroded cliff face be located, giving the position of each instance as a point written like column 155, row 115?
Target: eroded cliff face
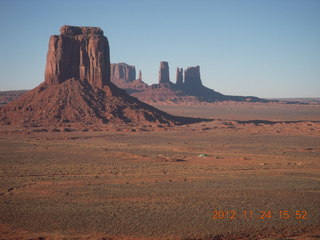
column 80, row 53
column 123, row 72
column 192, row 77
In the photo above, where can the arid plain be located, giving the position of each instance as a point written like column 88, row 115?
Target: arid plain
column 251, row 173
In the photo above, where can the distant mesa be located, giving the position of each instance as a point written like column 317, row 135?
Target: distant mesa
column 78, row 89
column 192, row 77
column 123, row 72
column 124, row 76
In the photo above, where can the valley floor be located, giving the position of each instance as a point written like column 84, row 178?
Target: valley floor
column 233, row 178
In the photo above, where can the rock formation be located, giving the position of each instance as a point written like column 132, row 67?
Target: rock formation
column 122, row 72
column 124, row 76
column 77, row 90
column 192, row 77
column 140, row 76
column 164, row 72
column 78, row 52
column 187, row 91
column 179, row 76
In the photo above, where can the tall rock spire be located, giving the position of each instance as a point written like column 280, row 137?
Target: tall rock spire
column 164, row 72
column 140, row 76
column 179, row 76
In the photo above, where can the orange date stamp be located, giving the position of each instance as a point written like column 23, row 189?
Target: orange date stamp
column 260, row 215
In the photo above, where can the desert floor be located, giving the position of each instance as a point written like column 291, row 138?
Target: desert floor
column 231, row 178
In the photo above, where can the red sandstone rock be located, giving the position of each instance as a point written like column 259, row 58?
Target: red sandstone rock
column 78, row 52
column 122, row 72
column 164, row 73
column 140, row 76
column 192, row 77
column 179, row 76
column 124, row 76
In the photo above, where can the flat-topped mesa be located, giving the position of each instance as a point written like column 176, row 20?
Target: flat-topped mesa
column 164, row 72
column 123, row 72
column 192, row 77
column 80, row 53
column 179, row 76
column 73, row 30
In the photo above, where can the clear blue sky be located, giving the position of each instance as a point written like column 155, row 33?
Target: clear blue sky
column 266, row 48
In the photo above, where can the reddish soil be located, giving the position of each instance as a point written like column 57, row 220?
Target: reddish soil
column 166, row 183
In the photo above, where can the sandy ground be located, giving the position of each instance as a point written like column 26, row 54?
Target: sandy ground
column 233, row 178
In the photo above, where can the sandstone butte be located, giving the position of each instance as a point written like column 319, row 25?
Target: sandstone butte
column 164, row 72
column 123, row 72
column 77, row 89
column 124, row 76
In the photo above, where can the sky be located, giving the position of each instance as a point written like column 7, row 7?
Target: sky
column 264, row 48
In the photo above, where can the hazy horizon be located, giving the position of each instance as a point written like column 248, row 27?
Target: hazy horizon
column 268, row 49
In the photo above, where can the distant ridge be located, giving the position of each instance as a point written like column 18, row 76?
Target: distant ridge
column 9, row 96
column 187, row 89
